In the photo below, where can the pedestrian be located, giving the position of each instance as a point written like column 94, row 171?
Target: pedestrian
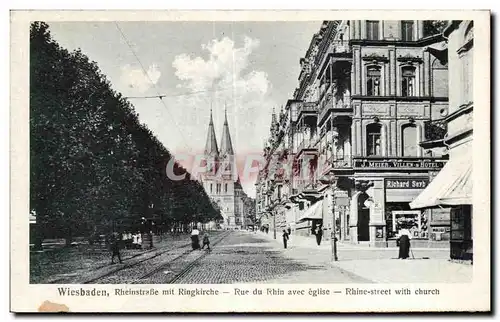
column 289, row 231
column 319, row 234
column 403, row 241
column 206, row 241
column 115, row 247
column 286, row 236
column 195, row 238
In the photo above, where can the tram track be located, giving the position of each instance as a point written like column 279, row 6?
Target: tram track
column 164, row 278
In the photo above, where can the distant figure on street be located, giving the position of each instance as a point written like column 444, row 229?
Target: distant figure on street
column 319, row 234
column 289, row 231
column 115, row 247
column 404, row 238
column 286, row 236
column 195, row 238
column 206, row 241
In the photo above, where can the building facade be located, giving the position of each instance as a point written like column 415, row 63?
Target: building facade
column 364, row 132
column 221, row 181
column 452, row 188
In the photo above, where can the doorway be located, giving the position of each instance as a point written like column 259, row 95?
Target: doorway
column 363, row 219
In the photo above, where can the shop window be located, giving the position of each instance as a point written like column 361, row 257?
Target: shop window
column 407, row 30
column 373, row 75
column 415, row 221
column 372, row 30
column 409, row 138
column 408, row 81
column 373, row 138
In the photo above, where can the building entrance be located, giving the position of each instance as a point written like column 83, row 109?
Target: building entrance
column 363, row 219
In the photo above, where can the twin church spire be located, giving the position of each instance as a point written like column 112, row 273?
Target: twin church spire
column 226, row 147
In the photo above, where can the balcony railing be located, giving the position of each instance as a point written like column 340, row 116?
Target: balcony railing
column 435, row 130
column 307, row 107
column 339, row 162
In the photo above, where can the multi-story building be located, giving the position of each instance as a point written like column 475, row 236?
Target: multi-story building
column 452, row 188
column 221, row 181
column 370, row 92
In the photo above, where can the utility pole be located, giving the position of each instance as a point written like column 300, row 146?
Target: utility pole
column 274, row 223
column 334, row 228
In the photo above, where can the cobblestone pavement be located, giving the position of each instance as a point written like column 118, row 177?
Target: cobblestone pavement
column 244, row 257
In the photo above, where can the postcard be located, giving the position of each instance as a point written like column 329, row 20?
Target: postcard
column 250, row 161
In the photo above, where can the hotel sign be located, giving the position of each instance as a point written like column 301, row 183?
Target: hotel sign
column 388, row 163
column 418, row 183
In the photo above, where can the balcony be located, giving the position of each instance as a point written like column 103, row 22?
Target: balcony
column 306, row 146
column 331, row 104
column 434, row 133
column 337, row 164
column 435, row 130
column 307, row 109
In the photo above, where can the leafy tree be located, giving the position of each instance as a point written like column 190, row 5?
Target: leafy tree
column 92, row 162
column 434, row 27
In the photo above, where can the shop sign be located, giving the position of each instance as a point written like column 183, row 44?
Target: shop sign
column 420, row 183
column 388, row 163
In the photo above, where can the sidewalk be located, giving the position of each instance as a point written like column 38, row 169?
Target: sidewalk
column 379, row 265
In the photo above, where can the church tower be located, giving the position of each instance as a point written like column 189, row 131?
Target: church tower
column 211, row 150
column 219, row 182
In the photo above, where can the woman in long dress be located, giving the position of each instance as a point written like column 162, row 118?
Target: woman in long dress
column 404, row 238
column 195, row 239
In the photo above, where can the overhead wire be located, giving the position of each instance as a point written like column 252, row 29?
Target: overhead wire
column 152, row 83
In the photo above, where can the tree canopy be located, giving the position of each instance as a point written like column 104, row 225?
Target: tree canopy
column 91, row 160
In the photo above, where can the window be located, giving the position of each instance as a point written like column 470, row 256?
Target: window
column 409, row 138
column 211, row 188
column 225, row 187
column 408, row 81
column 407, row 30
column 373, row 139
column 372, row 30
column 373, row 81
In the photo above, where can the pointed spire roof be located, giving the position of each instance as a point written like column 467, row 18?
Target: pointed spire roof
column 211, row 144
column 226, row 145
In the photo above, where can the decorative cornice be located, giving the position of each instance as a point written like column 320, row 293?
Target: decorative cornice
column 409, row 58
column 375, row 57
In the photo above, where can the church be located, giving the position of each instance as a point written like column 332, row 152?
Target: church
column 221, row 181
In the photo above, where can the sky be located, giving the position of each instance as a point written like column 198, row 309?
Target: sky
column 248, row 68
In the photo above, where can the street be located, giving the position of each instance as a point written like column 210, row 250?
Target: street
column 235, row 257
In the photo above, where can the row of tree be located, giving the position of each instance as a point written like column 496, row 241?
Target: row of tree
column 92, row 162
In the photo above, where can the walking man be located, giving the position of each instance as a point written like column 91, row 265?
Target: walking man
column 115, row 248
column 285, row 238
column 319, row 234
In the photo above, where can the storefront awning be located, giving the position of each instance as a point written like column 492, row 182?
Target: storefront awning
column 314, row 212
column 452, row 186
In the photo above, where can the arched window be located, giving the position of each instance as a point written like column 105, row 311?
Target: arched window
column 373, row 74
column 408, row 81
column 373, row 139
column 409, row 140
column 439, row 79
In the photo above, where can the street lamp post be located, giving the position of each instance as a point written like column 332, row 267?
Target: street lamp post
column 334, row 228
column 274, row 223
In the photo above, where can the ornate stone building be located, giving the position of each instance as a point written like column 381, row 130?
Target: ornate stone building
column 365, row 131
